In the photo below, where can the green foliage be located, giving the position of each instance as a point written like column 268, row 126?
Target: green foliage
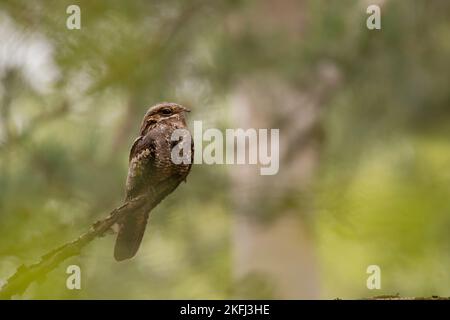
column 381, row 195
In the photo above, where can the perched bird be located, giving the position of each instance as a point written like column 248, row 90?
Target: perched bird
column 152, row 173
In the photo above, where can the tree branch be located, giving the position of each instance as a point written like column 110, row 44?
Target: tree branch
column 25, row 275
column 398, row 297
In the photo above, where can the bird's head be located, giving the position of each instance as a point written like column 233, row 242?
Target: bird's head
column 165, row 111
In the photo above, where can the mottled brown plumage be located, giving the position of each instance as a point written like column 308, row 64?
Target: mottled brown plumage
column 152, row 172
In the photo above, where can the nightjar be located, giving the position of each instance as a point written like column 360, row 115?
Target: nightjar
column 152, row 173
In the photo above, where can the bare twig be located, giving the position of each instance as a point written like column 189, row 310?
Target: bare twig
column 398, row 297
column 25, row 275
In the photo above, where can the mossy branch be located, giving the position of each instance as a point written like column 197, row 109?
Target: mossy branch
column 25, row 275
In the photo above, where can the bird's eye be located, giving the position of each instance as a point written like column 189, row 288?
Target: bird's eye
column 166, row 111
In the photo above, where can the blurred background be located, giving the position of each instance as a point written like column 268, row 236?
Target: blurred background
column 364, row 145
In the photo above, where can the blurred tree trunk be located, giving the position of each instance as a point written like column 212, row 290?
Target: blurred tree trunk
column 271, row 237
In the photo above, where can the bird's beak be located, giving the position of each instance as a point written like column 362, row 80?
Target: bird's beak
column 185, row 109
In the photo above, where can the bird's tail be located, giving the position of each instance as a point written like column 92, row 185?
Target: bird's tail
column 131, row 232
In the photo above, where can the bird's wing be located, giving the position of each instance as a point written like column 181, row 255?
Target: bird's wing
column 132, row 227
column 141, row 165
column 134, row 147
